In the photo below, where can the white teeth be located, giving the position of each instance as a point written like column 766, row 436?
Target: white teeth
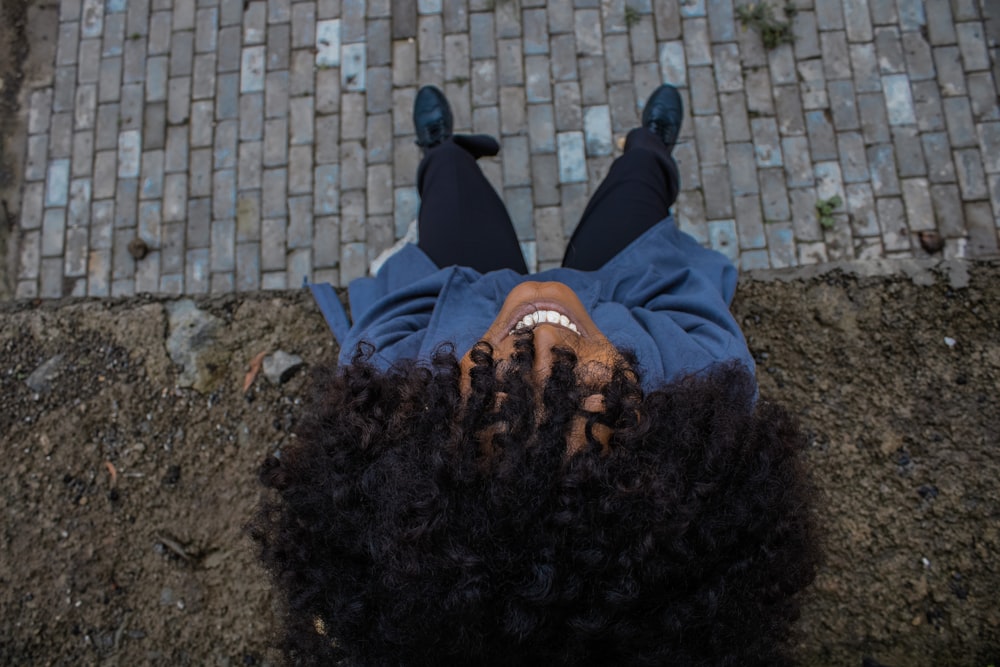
column 545, row 317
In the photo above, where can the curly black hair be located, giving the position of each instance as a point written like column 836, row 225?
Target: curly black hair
column 409, row 524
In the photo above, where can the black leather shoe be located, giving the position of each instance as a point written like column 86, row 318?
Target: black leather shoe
column 663, row 114
column 432, row 118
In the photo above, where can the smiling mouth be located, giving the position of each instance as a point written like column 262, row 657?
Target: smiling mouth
column 544, row 316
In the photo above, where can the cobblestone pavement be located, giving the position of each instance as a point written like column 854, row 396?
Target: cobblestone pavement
column 252, row 143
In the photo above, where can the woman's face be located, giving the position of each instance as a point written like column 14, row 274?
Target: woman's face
column 556, row 317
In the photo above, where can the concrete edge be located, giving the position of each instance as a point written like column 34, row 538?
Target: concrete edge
column 923, row 272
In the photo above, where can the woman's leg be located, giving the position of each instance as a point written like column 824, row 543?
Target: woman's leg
column 638, row 192
column 462, row 221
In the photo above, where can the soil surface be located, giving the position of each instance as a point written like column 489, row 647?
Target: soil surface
column 125, row 495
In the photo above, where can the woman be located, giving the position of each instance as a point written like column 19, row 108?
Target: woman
column 571, row 468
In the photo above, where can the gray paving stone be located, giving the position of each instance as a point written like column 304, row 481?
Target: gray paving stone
column 513, row 114
column 129, row 153
column 911, row 14
column 736, row 123
column 105, row 168
column 697, row 48
column 352, row 219
column 248, row 216
column 890, row 50
column 538, row 87
column 788, row 106
column 971, row 177
column 225, row 144
column 909, row 153
column 252, row 116
column 983, row 96
column 176, row 158
column 989, row 143
column 404, row 19
column 31, row 206
column 150, row 224
column 57, row 183
column 229, row 53
column 406, row 158
column 254, row 23
column 134, row 61
column 280, row 11
column 300, row 222
column 829, row 16
column 898, row 99
column 78, row 211
column 196, row 271
column 327, row 143
column 749, row 222
column 352, row 165
column 199, row 223
column 352, row 67
column 561, row 16
column 300, row 169
column 860, row 204
column 151, row 176
column 864, row 65
column 91, row 19
column 109, row 86
column 917, row 202
column 102, row 219
column 154, row 126
column 484, row 83
column 252, row 69
column 279, row 42
column 940, row 24
column 742, row 169
column 541, row 128
column 927, row 106
column 723, row 238
column 958, row 117
column 430, row 37
column 275, row 150
column 802, row 208
column 30, row 257
column 813, row 85
column 767, row 146
column 224, row 193
column 592, row 83
column 982, row 229
column 379, row 189
column 829, row 181
column 622, row 102
column 36, row 164
column 510, row 66
column 853, row 160
column 203, row 80
column 947, row 204
column 937, row 152
column 113, row 37
column 758, row 87
column 857, row 20
column 327, row 190
column 248, row 174
column 122, row 263
column 405, row 209
column 874, row 122
column 728, row 72
column 53, row 232
column 643, row 40
column 673, row 64
column 158, row 42
column 781, row 63
column 798, row 165
column 61, row 135
column 352, row 25
column 836, row 58
column 882, row 163
column 950, row 76
column 717, row 191
column 773, row 195
column 456, row 16
column 247, row 267
column 75, row 260
column 919, row 59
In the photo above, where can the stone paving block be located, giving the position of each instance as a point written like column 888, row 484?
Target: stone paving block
column 911, row 15
column 201, row 123
column 248, row 216
column 513, row 113
column 196, row 271
column 75, row 259
column 593, row 87
column 781, row 64
column 407, row 203
column 622, row 102
column 484, row 83
column 129, row 153
column 538, row 80
column 158, row 42
column 718, row 192
column 574, row 201
column 645, row 79
column 50, row 285
column 728, row 72
column 919, row 59
column 300, row 222
column 802, row 208
column 758, row 87
column 617, row 58
column 352, row 161
column 853, row 160
column 572, row 159
column 940, row 24
column 971, row 177
column 864, row 64
column 597, row 130
column 150, row 223
column 550, row 244
column 406, row 158
column 31, row 206
column 735, row 121
column 326, row 242
column 982, row 229
column 108, row 90
column 697, row 48
column 482, row 43
column 673, row 64
column 709, row 138
column 30, row 255
column 937, row 152
column 176, row 156
column 280, row 11
column 806, row 36
column 950, row 76
column 105, row 169
column 199, row 223
column 516, row 163
column 857, row 20
column 278, row 50
column 229, row 52
column 254, row 23
column 643, row 40
column 224, row 193
column 813, row 85
column 252, row 64
column 909, row 153
column 749, row 222
column 798, row 165
column 860, row 204
column 301, row 129
column 754, row 259
column 327, row 189
column 958, row 117
column 222, row 253
column 134, row 60
column 890, row 50
column 898, row 99
column 122, row 263
column 587, row 31
column 686, row 158
column 788, row 107
column 723, row 238
column 252, row 117
column 536, row 38
column 989, row 143
column 300, row 169
column 113, row 37
column 327, row 143
column 352, row 219
column 156, row 79
column 836, row 58
column 353, row 262
column 126, row 202
column 884, row 176
column 36, row 164
column 545, row 180
column 690, row 215
column 178, row 100
column 721, row 26
column 767, row 146
column 272, row 245
column 948, row 215
column 829, row 181
column 379, row 189
column 843, row 105
column 781, row 245
column 57, row 183
column 61, row 135
column 487, row 120
column 225, row 154
column 917, row 202
column 773, row 195
column 742, row 169
column 227, row 97
column 102, row 219
column 983, row 96
column 53, row 232
column 874, row 121
column 352, row 69
column 248, row 173
column 518, row 201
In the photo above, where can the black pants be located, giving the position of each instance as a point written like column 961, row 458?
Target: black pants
column 462, row 220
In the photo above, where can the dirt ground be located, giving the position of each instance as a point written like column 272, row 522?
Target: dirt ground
column 124, row 496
